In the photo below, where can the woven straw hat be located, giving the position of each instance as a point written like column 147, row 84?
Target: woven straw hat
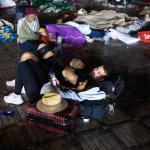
column 51, row 103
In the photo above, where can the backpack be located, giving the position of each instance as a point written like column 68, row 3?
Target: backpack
column 6, row 33
column 98, row 109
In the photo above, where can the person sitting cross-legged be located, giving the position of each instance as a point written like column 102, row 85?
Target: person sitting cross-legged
column 27, row 31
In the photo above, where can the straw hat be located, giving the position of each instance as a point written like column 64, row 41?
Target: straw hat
column 51, row 103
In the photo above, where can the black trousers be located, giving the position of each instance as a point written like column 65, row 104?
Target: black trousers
column 32, row 75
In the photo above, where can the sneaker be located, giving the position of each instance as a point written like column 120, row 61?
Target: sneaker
column 10, row 83
column 85, row 120
column 23, row 91
column 13, row 99
column 88, row 39
column 147, row 18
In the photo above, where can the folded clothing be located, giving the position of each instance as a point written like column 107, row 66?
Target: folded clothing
column 105, row 19
column 137, row 25
column 126, row 38
column 96, row 34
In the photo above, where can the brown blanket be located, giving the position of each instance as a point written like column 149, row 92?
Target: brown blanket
column 105, row 19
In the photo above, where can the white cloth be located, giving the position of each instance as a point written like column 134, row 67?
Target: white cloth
column 91, row 94
column 7, row 23
column 47, row 87
column 7, row 3
column 83, row 28
column 138, row 24
column 126, row 38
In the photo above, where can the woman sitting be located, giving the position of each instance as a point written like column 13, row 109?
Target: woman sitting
column 27, row 31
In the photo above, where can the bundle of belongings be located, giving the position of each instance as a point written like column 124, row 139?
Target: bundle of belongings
column 146, row 10
column 53, row 6
column 116, row 25
column 6, row 31
column 53, row 114
column 120, row 4
column 7, row 3
column 105, row 19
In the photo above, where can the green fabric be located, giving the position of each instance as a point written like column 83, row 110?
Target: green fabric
column 38, row 3
column 25, row 33
column 54, row 7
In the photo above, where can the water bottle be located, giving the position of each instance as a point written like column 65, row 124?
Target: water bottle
column 59, row 42
column 124, row 2
column 106, row 39
column 53, row 79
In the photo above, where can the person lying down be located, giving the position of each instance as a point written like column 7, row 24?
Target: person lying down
column 72, row 81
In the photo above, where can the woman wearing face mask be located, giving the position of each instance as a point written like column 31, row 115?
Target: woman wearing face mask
column 27, row 31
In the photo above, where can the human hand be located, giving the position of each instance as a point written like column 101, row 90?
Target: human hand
column 76, row 63
column 111, row 109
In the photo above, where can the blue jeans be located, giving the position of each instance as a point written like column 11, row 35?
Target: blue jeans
column 30, row 46
column 93, row 109
column 96, row 33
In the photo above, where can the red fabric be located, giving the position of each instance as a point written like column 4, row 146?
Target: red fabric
column 61, row 123
column 144, row 36
column 60, row 118
column 44, row 39
column 48, row 128
column 31, row 10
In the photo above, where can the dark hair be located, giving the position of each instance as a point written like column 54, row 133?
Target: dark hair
column 107, row 69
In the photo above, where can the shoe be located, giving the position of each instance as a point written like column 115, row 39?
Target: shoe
column 85, row 120
column 13, row 99
column 111, row 108
column 88, row 39
column 147, row 18
column 10, row 83
column 23, row 90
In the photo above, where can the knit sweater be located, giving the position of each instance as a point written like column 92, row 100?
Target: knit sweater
column 25, row 33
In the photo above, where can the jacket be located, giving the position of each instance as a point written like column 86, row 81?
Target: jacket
column 68, row 34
